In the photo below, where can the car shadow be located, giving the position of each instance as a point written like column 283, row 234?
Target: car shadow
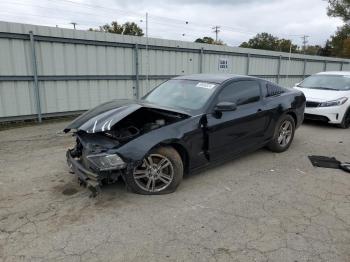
column 118, row 190
column 226, row 162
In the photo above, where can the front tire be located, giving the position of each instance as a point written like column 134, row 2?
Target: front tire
column 345, row 123
column 283, row 135
column 160, row 173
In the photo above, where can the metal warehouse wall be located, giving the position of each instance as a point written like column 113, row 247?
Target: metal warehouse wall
column 48, row 71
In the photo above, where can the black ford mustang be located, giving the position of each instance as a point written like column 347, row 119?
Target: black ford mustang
column 186, row 123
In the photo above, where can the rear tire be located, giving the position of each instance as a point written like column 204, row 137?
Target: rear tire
column 160, row 173
column 345, row 123
column 283, row 135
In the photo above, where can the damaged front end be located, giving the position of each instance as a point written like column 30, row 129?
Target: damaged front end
column 94, row 161
column 95, row 158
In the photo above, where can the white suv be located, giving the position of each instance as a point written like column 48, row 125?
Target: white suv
column 327, row 97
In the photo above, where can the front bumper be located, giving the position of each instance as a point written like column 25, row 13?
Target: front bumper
column 332, row 114
column 85, row 176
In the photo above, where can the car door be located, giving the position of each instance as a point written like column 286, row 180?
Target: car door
column 231, row 132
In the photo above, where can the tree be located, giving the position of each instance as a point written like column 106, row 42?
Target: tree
column 313, row 49
column 326, row 50
column 208, row 40
column 132, row 29
column 128, row 28
column 339, row 8
column 346, row 48
column 205, row 40
column 340, row 42
column 267, row 41
column 286, row 45
column 262, row 41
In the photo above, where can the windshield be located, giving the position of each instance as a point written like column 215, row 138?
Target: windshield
column 185, row 94
column 327, row 82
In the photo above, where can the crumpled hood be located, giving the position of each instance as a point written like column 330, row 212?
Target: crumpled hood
column 106, row 115
column 319, row 95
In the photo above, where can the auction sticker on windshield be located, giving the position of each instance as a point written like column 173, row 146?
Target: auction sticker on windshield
column 205, row 85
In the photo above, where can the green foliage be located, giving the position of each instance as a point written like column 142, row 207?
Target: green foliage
column 128, row 28
column 340, row 42
column 285, row 45
column 312, row 49
column 205, row 40
column 208, row 40
column 267, row 41
column 326, row 50
column 132, row 29
column 339, row 8
column 261, row 41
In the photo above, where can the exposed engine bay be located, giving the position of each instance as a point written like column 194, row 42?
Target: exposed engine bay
column 136, row 124
column 141, row 122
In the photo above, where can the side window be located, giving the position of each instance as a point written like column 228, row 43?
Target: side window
column 241, row 92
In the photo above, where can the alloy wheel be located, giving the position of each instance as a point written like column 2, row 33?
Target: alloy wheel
column 285, row 133
column 155, row 174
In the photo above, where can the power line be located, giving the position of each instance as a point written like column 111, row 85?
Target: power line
column 154, row 17
column 163, row 20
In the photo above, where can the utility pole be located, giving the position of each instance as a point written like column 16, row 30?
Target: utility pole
column 290, row 54
column 147, row 53
column 74, row 24
column 216, row 31
column 305, row 41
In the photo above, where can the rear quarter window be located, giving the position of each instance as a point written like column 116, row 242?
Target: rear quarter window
column 273, row 90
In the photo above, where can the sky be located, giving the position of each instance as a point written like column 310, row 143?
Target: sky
column 239, row 20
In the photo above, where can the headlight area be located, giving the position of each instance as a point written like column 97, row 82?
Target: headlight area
column 337, row 102
column 93, row 169
column 106, row 162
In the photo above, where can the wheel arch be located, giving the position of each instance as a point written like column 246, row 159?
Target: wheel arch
column 346, row 114
column 294, row 115
column 181, row 150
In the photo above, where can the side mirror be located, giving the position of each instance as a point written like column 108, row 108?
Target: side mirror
column 225, row 106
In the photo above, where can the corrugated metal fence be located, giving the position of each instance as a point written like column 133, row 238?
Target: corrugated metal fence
column 48, row 71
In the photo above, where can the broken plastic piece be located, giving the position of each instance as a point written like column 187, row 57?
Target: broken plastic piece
column 329, row 162
column 324, row 161
column 345, row 167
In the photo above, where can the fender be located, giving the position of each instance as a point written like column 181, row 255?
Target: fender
column 177, row 133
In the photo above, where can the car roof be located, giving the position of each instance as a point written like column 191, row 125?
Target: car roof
column 213, row 78
column 340, row 73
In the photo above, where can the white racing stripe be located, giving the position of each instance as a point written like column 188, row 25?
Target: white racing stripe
column 93, row 129
column 103, row 127
column 109, row 125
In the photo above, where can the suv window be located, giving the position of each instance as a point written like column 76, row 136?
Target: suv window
column 241, row 92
